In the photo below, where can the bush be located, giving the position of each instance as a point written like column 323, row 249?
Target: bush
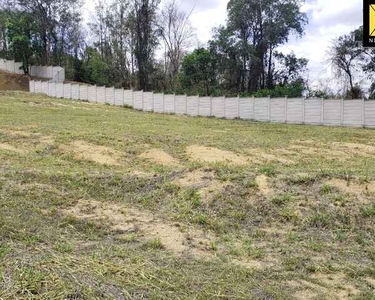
column 290, row 91
column 354, row 93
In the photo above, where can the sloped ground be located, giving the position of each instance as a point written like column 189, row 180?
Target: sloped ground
column 13, row 82
column 100, row 202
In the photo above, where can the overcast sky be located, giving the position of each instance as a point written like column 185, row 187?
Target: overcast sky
column 328, row 19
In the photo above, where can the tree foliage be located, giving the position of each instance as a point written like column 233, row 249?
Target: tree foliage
column 141, row 45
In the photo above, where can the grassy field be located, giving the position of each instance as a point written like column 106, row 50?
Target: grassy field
column 101, row 202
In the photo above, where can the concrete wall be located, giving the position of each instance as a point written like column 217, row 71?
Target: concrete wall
column 354, row 113
column 55, row 74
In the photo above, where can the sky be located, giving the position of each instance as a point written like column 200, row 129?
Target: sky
column 328, row 19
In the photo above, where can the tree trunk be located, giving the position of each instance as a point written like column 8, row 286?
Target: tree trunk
column 269, row 75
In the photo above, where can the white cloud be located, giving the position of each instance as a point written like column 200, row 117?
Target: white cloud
column 327, row 21
column 205, row 19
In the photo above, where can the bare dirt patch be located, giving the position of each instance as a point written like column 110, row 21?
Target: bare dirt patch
column 360, row 149
column 15, row 133
column 203, row 181
column 43, row 139
column 69, row 106
column 342, row 288
column 46, row 140
column 142, row 174
column 319, row 151
column 263, row 184
column 215, row 155
column 99, row 154
column 159, row 157
column 258, row 156
column 370, row 281
column 215, row 187
column 352, row 186
column 253, row 264
column 11, row 148
column 196, row 179
column 305, row 295
column 335, row 150
column 332, row 286
column 122, row 219
column 270, row 158
column 15, row 82
column 275, row 231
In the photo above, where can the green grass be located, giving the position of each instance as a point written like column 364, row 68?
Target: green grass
column 239, row 243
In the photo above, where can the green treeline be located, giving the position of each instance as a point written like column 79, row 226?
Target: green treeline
column 142, row 44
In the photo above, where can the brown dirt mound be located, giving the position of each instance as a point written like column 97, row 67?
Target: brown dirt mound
column 99, row 154
column 159, row 157
column 215, row 155
column 13, row 82
column 126, row 220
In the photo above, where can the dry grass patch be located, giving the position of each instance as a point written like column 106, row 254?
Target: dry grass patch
column 202, row 180
column 337, row 286
column 68, row 106
column 305, row 295
column 196, row 179
column 263, row 184
column 270, row 158
column 370, row 281
column 16, row 133
column 335, row 150
column 332, row 286
column 142, row 174
column 42, row 139
column 258, row 156
column 352, row 187
column 316, row 151
column 46, row 140
column 354, row 148
column 159, row 157
column 99, row 154
column 213, row 188
column 122, row 219
column 253, row 264
column 7, row 147
column 215, row 155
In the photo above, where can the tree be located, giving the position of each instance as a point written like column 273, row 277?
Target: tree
column 343, row 55
column 226, row 59
column 145, row 38
column 177, row 33
column 289, row 69
column 261, row 26
column 20, row 30
column 3, row 33
column 197, row 71
column 50, row 15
